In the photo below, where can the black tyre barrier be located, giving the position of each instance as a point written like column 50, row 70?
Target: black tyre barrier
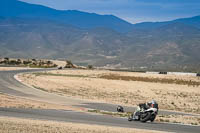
column 162, row 72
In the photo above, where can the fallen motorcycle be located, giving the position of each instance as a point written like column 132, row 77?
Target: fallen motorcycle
column 144, row 113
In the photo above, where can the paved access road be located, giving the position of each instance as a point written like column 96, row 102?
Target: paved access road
column 9, row 85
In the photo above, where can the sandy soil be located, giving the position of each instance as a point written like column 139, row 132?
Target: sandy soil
column 193, row 120
column 8, row 101
column 86, row 84
column 8, row 125
column 13, row 68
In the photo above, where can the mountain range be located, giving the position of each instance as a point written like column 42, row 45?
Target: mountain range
column 35, row 31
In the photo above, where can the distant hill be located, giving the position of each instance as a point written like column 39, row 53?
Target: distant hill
column 193, row 21
column 175, row 44
column 14, row 8
column 40, row 32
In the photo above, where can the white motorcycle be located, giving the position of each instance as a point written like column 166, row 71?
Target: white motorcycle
column 144, row 113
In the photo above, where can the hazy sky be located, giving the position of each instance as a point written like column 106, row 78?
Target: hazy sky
column 131, row 10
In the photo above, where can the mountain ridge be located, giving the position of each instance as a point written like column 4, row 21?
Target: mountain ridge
column 193, row 21
column 14, row 8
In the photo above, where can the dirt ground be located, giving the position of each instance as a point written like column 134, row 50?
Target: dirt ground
column 89, row 84
column 13, row 68
column 192, row 120
column 8, row 125
column 7, row 101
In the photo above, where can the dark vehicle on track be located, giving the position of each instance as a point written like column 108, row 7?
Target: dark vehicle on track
column 120, row 109
column 60, row 68
column 145, row 112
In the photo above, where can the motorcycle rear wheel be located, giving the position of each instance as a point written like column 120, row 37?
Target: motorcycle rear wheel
column 130, row 119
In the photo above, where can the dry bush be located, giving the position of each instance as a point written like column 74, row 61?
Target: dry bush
column 154, row 80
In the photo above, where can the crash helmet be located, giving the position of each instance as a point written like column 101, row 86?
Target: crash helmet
column 149, row 104
column 153, row 104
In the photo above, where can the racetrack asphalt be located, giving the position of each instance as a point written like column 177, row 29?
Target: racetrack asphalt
column 9, row 85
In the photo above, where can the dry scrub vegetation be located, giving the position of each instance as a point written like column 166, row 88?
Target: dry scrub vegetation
column 16, row 125
column 180, row 93
column 153, row 80
column 34, row 63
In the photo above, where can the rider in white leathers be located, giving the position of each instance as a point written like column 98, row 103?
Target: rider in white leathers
column 141, row 107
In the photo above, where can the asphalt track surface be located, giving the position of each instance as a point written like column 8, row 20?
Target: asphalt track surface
column 9, row 85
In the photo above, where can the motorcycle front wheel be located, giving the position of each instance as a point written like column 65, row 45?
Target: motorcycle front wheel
column 145, row 117
column 153, row 118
